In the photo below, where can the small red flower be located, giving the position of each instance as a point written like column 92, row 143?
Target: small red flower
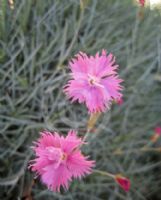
column 120, row 101
column 157, row 130
column 123, row 182
column 157, row 134
column 142, row 2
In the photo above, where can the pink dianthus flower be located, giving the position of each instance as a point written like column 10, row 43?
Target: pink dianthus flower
column 59, row 159
column 94, row 81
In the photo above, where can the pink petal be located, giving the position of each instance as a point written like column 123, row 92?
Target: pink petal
column 79, row 165
column 54, row 179
column 71, row 142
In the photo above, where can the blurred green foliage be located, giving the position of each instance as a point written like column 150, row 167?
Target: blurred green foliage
column 37, row 38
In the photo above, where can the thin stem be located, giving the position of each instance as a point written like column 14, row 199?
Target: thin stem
column 104, row 173
column 91, row 123
column 150, row 143
column 147, row 149
column 142, row 149
column 86, row 135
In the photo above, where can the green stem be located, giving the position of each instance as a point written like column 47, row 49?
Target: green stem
column 104, row 173
column 142, row 149
column 86, row 135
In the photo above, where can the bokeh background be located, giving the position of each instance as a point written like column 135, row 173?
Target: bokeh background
column 37, row 38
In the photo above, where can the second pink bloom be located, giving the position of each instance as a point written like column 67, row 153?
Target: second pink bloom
column 59, row 159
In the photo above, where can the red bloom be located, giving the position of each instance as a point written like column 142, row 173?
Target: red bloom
column 157, row 130
column 123, row 182
column 142, row 2
column 120, row 101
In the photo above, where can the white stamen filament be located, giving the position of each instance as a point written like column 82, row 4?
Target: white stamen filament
column 94, row 81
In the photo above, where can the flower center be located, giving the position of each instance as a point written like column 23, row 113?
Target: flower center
column 64, row 156
column 94, row 81
column 56, row 155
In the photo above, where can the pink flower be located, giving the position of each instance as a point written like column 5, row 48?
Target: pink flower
column 94, row 81
column 157, row 130
column 142, row 2
column 59, row 159
column 123, row 182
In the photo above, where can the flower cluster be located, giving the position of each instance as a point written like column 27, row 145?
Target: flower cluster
column 95, row 82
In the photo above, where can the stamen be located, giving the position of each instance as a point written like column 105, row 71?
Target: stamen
column 94, row 81
column 64, row 156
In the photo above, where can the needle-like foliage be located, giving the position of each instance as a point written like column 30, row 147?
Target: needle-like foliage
column 37, row 38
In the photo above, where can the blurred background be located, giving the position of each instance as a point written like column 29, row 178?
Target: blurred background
column 37, row 38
